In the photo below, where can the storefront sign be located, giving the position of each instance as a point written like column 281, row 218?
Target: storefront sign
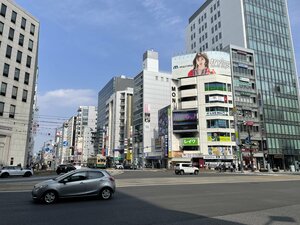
column 190, row 142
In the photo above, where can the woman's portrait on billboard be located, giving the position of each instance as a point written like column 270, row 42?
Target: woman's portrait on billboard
column 201, row 66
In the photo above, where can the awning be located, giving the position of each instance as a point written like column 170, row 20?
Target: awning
column 181, row 159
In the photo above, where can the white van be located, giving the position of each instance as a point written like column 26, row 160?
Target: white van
column 182, row 168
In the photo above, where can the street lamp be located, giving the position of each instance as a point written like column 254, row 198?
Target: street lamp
column 238, row 139
column 249, row 142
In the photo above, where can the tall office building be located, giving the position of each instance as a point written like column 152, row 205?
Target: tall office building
column 118, row 136
column 85, row 126
column 152, row 90
column 19, row 35
column 115, row 84
column 264, row 27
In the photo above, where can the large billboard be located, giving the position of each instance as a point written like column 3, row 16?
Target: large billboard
column 198, row 64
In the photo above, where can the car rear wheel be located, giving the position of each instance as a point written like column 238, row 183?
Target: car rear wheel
column 106, row 193
column 196, row 172
column 50, row 197
column 27, row 174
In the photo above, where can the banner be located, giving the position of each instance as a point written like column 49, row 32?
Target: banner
column 198, row 64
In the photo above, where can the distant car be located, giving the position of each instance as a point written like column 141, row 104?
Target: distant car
column 119, row 166
column 130, row 166
column 15, row 171
column 182, row 168
column 76, row 183
column 64, row 168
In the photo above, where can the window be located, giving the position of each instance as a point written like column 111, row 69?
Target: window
column 13, row 17
column 17, row 74
column 3, row 10
column 1, row 108
column 11, row 34
column 26, row 78
column 24, row 96
column 95, row 174
column 77, row 177
column 217, row 123
column 1, row 27
column 11, row 161
column 5, row 70
column 215, row 86
column 8, row 51
column 14, row 92
column 30, row 45
column 23, row 23
column 12, row 111
column 21, row 39
column 28, row 61
column 32, row 29
column 3, row 89
column 19, row 57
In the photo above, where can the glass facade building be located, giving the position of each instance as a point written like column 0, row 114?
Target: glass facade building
column 269, row 35
column 264, row 27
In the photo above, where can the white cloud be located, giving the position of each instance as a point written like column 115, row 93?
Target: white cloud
column 161, row 12
column 65, row 101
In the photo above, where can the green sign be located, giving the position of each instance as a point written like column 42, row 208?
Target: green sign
column 190, row 142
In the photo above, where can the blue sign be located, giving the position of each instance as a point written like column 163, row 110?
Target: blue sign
column 65, row 143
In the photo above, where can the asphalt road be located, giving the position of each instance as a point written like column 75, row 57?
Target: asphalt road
column 163, row 198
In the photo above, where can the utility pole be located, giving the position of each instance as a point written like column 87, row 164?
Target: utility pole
column 237, row 139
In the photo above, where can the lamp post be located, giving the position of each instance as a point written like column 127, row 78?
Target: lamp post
column 248, row 124
column 237, row 139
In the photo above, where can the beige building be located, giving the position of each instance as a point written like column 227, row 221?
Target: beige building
column 203, row 122
column 19, row 35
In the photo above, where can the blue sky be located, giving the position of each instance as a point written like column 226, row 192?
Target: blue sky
column 84, row 43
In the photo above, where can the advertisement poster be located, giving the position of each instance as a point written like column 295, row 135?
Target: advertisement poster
column 199, row 64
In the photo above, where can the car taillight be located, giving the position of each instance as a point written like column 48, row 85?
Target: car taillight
column 112, row 179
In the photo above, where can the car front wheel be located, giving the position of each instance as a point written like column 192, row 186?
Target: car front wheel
column 196, row 172
column 5, row 175
column 49, row 197
column 106, row 193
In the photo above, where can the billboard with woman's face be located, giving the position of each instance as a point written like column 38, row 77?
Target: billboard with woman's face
column 199, row 64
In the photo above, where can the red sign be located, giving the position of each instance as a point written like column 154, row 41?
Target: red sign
column 249, row 123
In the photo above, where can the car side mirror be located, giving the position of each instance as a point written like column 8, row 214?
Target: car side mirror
column 64, row 181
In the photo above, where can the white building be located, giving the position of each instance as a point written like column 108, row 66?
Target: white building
column 152, row 90
column 86, row 124
column 118, row 137
column 203, row 123
column 19, row 36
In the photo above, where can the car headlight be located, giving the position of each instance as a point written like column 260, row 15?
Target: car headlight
column 40, row 187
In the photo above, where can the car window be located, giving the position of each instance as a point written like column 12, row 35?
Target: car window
column 76, row 177
column 95, row 174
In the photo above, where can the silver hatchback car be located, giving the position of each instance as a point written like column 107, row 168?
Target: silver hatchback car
column 76, row 183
